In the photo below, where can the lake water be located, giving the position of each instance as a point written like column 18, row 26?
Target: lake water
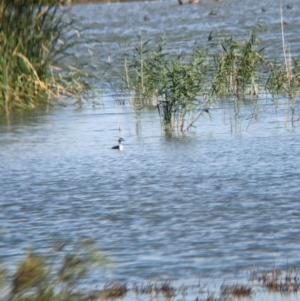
column 219, row 200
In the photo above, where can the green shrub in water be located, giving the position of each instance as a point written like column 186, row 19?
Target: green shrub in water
column 144, row 71
column 179, row 90
column 238, row 68
column 170, row 84
column 183, row 89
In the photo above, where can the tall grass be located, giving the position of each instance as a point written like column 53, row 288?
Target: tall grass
column 238, row 68
column 33, row 33
column 172, row 85
column 179, row 90
column 184, row 88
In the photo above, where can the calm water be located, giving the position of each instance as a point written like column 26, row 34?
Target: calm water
column 221, row 199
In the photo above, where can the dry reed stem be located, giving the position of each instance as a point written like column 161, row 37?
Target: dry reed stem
column 237, row 291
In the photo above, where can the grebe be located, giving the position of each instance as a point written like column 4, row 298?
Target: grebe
column 120, row 146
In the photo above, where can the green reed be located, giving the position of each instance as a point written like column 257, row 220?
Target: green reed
column 238, row 68
column 33, row 33
column 281, row 82
column 182, row 84
column 170, row 84
column 184, row 88
column 144, row 70
column 277, row 81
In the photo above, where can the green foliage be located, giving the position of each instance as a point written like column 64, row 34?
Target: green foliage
column 183, row 89
column 179, row 89
column 171, row 85
column 237, row 68
column 32, row 273
column 145, row 71
column 277, row 81
column 32, row 35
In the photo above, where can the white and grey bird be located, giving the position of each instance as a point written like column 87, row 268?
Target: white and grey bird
column 120, row 146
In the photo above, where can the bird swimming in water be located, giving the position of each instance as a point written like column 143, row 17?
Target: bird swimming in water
column 120, row 146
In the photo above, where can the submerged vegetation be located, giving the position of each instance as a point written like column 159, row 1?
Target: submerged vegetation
column 35, row 36
column 170, row 84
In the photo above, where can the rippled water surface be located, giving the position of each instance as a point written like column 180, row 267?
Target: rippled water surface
column 220, row 199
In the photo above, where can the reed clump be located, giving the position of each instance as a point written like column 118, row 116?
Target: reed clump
column 144, row 70
column 279, row 281
column 183, row 88
column 282, row 82
column 238, row 68
column 59, row 276
column 34, row 36
column 180, row 102
column 113, row 290
column 170, row 84
column 164, row 288
column 237, row 290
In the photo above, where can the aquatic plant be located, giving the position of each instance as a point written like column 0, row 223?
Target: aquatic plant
column 183, row 88
column 236, row 290
column 276, row 82
column 154, row 288
column 170, row 84
column 167, row 290
column 283, row 78
column 113, row 290
column 238, row 68
column 34, row 36
column 54, row 277
column 183, row 83
column 144, row 70
column 279, row 82
column 59, row 275
column 278, row 280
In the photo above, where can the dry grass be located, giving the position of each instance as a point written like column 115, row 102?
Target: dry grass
column 279, row 281
column 36, row 42
column 167, row 290
column 143, row 289
column 36, row 280
column 114, row 290
column 237, row 290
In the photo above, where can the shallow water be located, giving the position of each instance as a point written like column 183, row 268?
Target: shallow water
column 219, row 200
